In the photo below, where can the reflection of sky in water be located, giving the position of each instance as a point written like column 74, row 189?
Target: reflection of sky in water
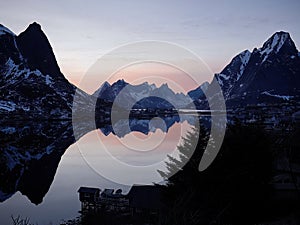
column 61, row 202
column 119, row 159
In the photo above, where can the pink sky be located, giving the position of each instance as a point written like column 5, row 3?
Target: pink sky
column 158, row 74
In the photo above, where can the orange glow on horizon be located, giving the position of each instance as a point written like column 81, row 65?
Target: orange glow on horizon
column 151, row 72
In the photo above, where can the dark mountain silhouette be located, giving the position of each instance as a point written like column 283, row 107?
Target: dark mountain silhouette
column 30, row 154
column 31, row 83
column 42, row 58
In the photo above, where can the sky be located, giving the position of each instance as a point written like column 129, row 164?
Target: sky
column 80, row 32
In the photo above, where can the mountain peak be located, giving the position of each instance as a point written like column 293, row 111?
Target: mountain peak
column 234, row 70
column 106, row 83
column 278, row 41
column 121, row 82
column 204, row 86
column 104, row 86
column 102, row 89
column 164, row 85
column 245, row 53
column 34, row 26
column 35, row 47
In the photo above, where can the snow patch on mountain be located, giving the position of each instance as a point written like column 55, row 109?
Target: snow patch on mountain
column 19, row 52
column 274, row 44
column 284, row 97
column 7, row 106
column 48, row 80
column 244, row 56
column 8, row 130
column 9, row 65
column 233, row 72
column 224, row 77
column 13, row 71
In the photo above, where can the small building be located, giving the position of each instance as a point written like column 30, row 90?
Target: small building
column 141, row 199
column 88, row 197
column 88, row 194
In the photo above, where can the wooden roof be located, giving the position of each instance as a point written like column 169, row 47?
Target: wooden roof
column 88, row 190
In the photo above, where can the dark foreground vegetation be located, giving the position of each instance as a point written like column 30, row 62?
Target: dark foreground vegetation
column 236, row 188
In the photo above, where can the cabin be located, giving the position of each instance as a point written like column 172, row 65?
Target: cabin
column 140, row 200
column 88, row 194
column 89, row 197
column 93, row 199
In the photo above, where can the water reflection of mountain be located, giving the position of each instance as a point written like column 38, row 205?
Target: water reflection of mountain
column 31, row 151
column 144, row 125
column 30, row 154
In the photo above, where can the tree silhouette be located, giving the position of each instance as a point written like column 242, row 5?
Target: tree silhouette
column 231, row 189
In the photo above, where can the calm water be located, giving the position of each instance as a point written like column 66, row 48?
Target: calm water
column 95, row 161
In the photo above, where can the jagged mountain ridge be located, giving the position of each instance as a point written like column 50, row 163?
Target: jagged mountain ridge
column 143, row 95
column 31, row 83
column 266, row 75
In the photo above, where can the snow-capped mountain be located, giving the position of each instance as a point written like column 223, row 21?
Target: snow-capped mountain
column 31, row 83
column 233, row 72
column 274, row 68
column 266, row 75
column 143, row 95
